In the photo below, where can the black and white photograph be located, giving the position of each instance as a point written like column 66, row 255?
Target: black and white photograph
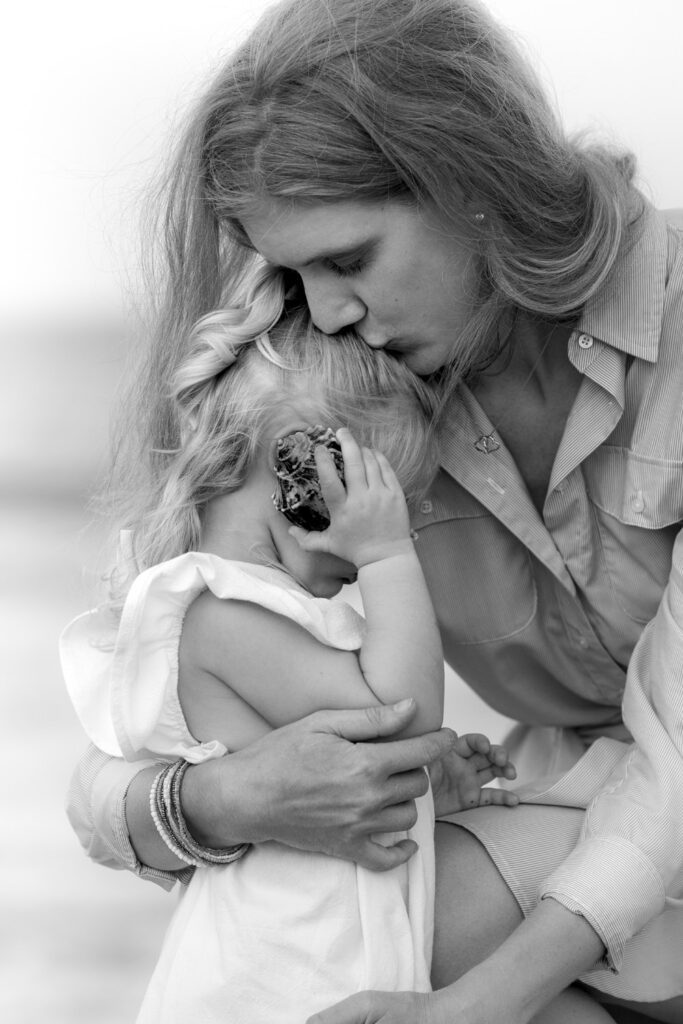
column 342, row 512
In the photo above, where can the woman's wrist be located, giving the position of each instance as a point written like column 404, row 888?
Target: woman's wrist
column 211, row 816
column 169, row 818
column 147, row 844
column 211, row 803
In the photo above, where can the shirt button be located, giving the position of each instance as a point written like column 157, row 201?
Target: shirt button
column 585, row 341
column 638, row 502
column 583, row 642
column 426, row 507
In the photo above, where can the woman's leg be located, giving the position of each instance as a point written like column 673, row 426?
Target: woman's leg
column 669, row 1011
column 475, row 911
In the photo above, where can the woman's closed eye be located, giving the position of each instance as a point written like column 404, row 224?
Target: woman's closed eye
column 345, row 269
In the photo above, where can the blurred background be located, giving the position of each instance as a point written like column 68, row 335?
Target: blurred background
column 90, row 95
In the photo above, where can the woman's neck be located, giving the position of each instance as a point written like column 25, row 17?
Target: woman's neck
column 528, row 401
column 529, row 358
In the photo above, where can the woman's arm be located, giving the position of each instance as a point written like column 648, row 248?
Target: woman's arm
column 629, row 855
column 321, row 784
column 98, row 804
column 541, row 957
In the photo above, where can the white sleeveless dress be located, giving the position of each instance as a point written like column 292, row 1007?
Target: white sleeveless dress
column 281, row 933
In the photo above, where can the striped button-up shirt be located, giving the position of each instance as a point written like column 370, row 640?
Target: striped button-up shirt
column 574, row 617
column 571, row 619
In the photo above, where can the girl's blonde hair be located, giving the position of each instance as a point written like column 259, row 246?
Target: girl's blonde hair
column 242, row 365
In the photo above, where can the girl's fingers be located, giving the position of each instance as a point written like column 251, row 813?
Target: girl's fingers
column 332, row 488
column 389, row 478
column 497, row 798
column 499, row 755
column 309, row 540
column 373, row 473
column 472, row 744
column 354, row 465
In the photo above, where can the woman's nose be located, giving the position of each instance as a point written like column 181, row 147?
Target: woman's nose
column 333, row 308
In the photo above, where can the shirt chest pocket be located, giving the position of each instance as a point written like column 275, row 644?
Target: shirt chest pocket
column 637, row 506
column 479, row 575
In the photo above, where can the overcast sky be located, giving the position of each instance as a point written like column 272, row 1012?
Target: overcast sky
column 90, row 93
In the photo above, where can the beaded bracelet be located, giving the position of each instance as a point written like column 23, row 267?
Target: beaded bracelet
column 168, row 818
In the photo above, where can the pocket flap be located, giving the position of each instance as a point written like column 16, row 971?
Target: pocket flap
column 635, row 489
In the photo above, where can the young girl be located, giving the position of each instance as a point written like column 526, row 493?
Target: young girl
column 228, row 632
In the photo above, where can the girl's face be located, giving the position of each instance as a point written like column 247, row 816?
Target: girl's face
column 390, row 270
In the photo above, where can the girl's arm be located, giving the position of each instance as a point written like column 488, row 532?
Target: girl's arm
column 242, row 666
column 401, row 655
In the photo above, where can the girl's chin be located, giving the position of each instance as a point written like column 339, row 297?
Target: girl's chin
column 328, row 589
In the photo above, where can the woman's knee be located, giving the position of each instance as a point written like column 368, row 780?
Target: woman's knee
column 475, row 910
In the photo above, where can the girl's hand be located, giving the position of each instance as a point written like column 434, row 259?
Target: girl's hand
column 459, row 777
column 368, row 517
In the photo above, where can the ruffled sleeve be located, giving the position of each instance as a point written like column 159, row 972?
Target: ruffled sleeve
column 123, row 677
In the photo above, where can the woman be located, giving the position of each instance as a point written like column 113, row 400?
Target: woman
column 401, row 160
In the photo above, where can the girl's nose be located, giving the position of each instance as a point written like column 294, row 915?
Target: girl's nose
column 333, row 308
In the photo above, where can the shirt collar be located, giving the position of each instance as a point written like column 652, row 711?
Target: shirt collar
column 627, row 312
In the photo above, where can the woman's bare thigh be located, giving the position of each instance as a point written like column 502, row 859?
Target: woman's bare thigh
column 475, row 911
column 669, row 1011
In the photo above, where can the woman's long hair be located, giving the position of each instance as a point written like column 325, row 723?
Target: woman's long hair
column 422, row 101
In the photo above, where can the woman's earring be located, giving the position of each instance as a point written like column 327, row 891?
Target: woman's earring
column 480, row 217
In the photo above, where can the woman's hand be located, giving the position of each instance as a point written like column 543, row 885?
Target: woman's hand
column 391, row 1008
column 459, row 777
column 319, row 785
column 461, row 1003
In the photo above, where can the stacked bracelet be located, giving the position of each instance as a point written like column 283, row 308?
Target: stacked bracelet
column 167, row 814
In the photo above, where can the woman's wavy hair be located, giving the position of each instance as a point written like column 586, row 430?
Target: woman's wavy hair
column 242, row 365
column 422, row 101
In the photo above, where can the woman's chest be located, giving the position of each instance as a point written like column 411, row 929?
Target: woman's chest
column 532, row 424
column 610, row 528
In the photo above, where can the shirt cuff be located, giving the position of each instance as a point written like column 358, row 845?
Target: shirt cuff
column 614, row 886
column 109, row 818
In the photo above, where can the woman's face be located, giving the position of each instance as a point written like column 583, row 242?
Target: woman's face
column 391, row 270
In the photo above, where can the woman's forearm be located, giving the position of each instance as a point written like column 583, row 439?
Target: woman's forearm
column 541, row 958
column 149, row 847
column 208, row 809
column 313, row 785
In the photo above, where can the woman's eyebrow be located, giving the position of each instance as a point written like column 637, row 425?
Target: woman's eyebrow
column 351, row 253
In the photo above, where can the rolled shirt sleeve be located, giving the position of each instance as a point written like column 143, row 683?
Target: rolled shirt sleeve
column 629, row 862
column 96, row 810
